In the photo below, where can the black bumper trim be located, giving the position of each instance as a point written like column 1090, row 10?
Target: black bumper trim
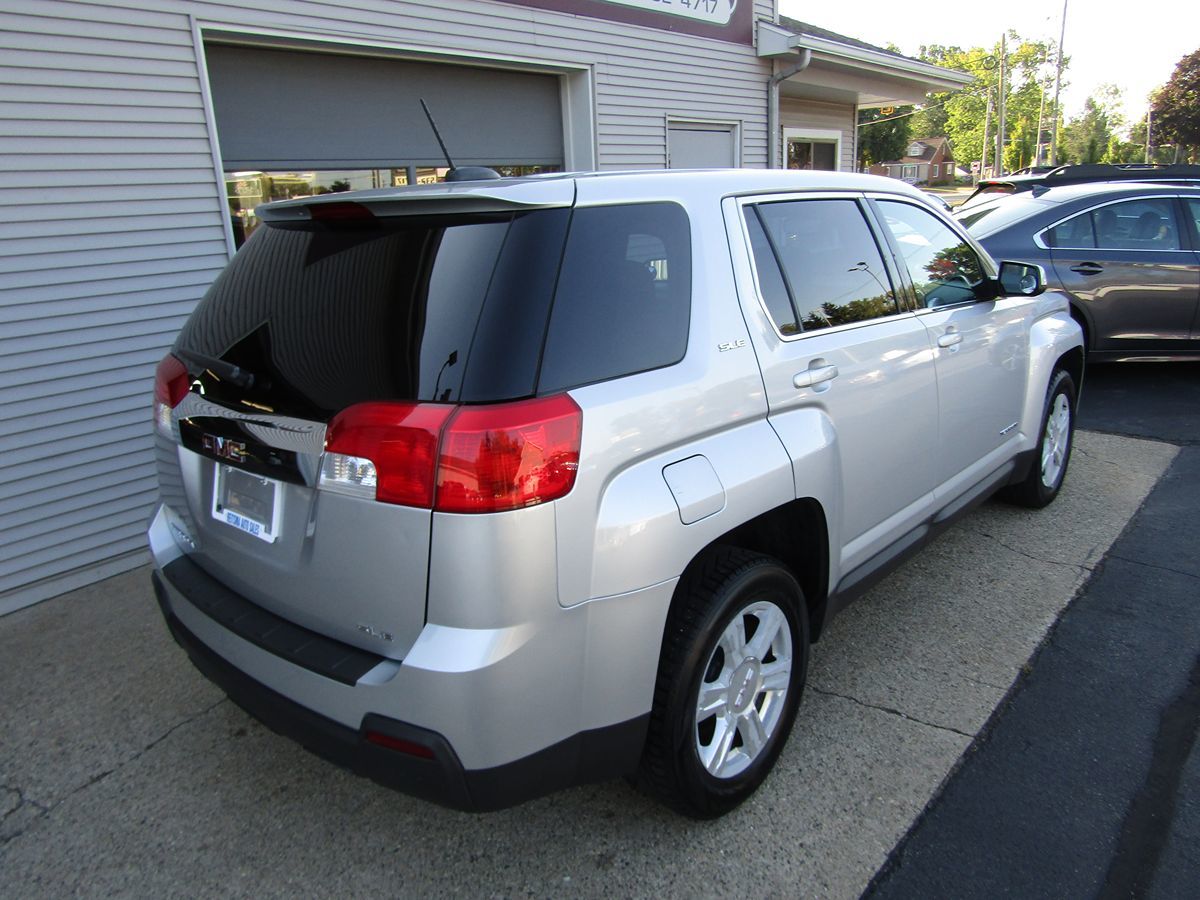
column 586, row 757
column 277, row 635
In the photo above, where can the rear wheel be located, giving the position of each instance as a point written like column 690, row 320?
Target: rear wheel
column 734, row 661
column 1049, row 467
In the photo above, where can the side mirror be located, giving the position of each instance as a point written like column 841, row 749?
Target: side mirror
column 1020, row 279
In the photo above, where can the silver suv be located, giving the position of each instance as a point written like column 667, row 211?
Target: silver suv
column 486, row 489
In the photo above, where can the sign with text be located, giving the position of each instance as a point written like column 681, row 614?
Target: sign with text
column 724, row 20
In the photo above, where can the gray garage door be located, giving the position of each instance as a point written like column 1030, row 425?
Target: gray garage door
column 289, row 109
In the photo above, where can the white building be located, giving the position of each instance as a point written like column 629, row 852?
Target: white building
column 138, row 135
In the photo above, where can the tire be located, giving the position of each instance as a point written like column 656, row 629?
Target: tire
column 704, row 761
column 1041, row 485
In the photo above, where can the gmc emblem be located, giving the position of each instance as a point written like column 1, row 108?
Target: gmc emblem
column 224, row 448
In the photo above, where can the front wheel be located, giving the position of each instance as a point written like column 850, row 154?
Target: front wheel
column 733, row 665
column 1049, row 467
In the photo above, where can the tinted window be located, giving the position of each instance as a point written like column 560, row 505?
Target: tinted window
column 943, row 267
column 332, row 313
column 624, row 295
column 1194, row 212
column 770, row 279
column 830, row 263
column 1130, row 225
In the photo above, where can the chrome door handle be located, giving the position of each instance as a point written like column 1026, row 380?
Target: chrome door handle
column 949, row 339
column 810, row 377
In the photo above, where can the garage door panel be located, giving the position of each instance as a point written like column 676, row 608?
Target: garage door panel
column 286, row 109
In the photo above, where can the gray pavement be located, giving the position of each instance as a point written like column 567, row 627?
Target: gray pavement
column 123, row 772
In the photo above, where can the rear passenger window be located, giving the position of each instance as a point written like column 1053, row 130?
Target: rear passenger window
column 1130, row 225
column 829, row 270
column 623, row 302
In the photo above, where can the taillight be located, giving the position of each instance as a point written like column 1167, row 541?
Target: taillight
column 470, row 459
column 170, row 381
column 171, row 385
column 385, row 451
column 508, row 456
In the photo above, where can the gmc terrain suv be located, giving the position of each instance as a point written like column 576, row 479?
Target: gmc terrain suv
column 488, row 488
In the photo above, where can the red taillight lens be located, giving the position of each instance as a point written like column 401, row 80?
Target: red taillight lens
column 170, row 381
column 508, row 456
column 469, row 459
column 399, row 440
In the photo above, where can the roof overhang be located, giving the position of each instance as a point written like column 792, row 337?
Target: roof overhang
column 846, row 73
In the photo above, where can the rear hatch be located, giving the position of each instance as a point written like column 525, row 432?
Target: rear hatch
column 413, row 302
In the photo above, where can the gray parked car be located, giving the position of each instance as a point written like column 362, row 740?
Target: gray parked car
column 1128, row 256
column 489, row 488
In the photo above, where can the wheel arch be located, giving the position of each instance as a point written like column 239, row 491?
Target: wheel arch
column 795, row 533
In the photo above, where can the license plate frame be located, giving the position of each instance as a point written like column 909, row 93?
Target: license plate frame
column 247, row 502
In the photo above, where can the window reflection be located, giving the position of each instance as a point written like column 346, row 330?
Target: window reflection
column 828, row 264
column 246, row 190
column 943, row 267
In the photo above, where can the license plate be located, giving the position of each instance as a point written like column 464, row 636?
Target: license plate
column 249, row 503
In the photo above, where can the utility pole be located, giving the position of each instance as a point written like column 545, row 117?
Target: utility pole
column 1037, row 153
column 1000, row 109
column 1149, row 120
column 987, row 124
column 1057, row 87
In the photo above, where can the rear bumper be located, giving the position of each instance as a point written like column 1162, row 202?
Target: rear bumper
column 587, row 756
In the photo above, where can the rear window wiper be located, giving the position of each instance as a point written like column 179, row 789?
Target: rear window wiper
column 226, row 371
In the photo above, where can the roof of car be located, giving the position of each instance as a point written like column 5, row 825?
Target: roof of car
column 1008, row 210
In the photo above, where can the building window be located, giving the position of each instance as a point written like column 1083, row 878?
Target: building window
column 909, row 172
column 812, row 155
column 935, row 170
column 812, row 148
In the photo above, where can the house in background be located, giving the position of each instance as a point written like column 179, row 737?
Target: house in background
column 928, row 161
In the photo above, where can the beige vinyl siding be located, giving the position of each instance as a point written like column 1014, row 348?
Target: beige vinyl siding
column 795, row 113
column 113, row 218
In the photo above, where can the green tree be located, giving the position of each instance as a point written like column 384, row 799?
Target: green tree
column 961, row 115
column 1176, row 108
column 882, row 137
column 1085, row 139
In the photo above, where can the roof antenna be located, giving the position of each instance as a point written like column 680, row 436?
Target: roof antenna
column 465, row 173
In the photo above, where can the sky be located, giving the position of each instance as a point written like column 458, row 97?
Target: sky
column 1134, row 45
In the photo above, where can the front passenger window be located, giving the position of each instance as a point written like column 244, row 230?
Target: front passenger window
column 943, row 267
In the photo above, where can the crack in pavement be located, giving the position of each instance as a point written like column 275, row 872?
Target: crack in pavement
column 43, row 810
column 889, row 710
column 1139, row 562
column 1080, row 568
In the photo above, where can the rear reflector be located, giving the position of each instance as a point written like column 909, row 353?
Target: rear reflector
column 469, row 459
column 399, row 745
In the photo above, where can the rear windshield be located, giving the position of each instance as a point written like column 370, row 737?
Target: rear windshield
column 329, row 313
column 1001, row 213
